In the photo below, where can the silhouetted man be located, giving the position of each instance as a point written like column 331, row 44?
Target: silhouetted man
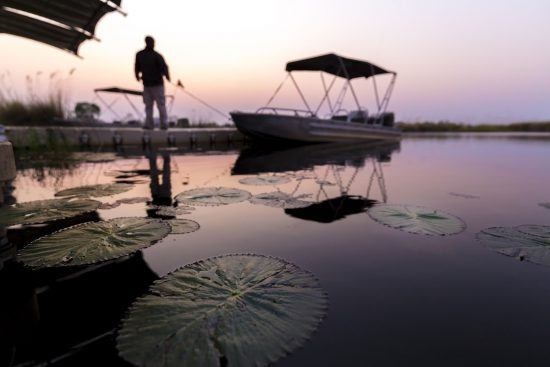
column 150, row 67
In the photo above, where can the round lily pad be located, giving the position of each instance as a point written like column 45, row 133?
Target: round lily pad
column 234, row 310
column 264, row 180
column 93, row 242
column 417, row 220
column 182, row 226
column 278, row 199
column 42, row 211
column 96, row 190
column 212, row 196
column 526, row 242
column 170, row 211
column 94, row 157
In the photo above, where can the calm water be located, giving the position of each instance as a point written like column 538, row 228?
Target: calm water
column 396, row 299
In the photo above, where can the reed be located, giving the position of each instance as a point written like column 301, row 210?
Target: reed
column 39, row 106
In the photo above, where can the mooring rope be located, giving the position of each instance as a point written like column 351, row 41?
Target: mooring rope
column 180, row 86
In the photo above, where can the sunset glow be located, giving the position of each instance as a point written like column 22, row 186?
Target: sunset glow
column 462, row 61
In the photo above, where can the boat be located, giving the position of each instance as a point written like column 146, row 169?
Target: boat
column 340, row 125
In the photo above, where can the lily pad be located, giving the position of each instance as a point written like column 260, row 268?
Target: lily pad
column 42, row 211
column 182, row 226
column 136, row 200
column 107, row 206
column 417, row 220
column 93, row 157
column 96, row 190
column 278, row 199
column 264, row 180
column 93, row 242
column 464, row 196
column 234, row 310
column 212, row 196
column 170, row 211
column 526, row 242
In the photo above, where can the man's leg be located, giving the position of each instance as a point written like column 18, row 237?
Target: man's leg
column 148, row 100
column 160, row 99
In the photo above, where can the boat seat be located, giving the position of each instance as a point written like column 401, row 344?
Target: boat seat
column 340, row 117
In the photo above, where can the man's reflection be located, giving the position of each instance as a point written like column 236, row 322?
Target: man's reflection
column 161, row 192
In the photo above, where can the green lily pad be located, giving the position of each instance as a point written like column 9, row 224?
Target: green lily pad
column 526, row 242
column 234, row 310
column 182, row 226
column 264, row 180
column 96, row 190
column 42, row 211
column 212, row 196
column 417, row 220
column 93, row 157
column 278, row 199
column 170, row 211
column 93, row 242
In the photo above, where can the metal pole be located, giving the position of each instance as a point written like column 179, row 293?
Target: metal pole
column 301, row 94
column 138, row 112
column 326, row 93
column 107, row 105
column 375, row 88
column 277, row 90
column 343, row 67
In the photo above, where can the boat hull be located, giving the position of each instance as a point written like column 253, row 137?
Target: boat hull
column 308, row 129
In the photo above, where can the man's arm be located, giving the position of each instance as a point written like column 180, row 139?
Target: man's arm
column 137, row 68
column 164, row 68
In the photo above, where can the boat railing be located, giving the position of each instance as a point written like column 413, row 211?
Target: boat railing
column 285, row 111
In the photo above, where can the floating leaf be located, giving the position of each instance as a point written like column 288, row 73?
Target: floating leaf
column 106, row 206
column 93, row 242
column 42, row 211
column 135, row 200
column 96, row 190
column 527, row 242
column 212, row 196
column 263, row 180
column 324, row 183
column 418, row 220
column 235, row 310
column 278, row 199
column 94, row 157
column 170, row 211
column 181, row 226
column 121, row 174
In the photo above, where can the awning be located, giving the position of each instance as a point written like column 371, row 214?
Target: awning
column 119, row 90
column 62, row 24
column 337, row 65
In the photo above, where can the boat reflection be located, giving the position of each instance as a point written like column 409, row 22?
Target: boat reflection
column 264, row 159
column 301, row 162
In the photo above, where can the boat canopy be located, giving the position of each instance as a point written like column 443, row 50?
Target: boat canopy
column 119, row 90
column 337, row 65
column 62, row 24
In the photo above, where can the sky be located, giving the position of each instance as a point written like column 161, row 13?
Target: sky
column 465, row 61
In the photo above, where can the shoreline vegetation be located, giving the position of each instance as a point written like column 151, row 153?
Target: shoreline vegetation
column 449, row 127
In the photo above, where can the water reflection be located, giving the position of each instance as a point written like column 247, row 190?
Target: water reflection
column 161, row 190
column 300, row 162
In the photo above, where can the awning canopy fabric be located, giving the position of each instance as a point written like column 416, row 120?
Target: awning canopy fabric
column 337, row 65
column 119, row 90
column 62, row 24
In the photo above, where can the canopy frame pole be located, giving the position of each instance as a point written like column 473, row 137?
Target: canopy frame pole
column 376, row 93
column 138, row 112
column 328, row 96
column 389, row 91
column 327, row 91
column 277, row 90
column 300, row 92
column 107, row 105
column 348, row 81
column 340, row 98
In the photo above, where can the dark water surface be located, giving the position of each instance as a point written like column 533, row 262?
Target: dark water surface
column 396, row 299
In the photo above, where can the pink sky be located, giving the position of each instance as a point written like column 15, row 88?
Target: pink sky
column 467, row 61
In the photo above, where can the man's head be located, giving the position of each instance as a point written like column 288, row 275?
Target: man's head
column 150, row 42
